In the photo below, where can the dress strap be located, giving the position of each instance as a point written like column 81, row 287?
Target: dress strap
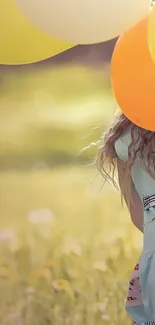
column 145, row 323
column 149, row 201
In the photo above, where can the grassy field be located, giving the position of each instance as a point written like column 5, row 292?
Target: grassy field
column 67, row 247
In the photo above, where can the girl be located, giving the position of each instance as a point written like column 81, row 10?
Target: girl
column 133, row 148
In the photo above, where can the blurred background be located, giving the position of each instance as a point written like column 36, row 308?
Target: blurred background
column 67, row 247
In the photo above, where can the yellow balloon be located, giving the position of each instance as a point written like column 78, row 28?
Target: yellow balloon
column 151, row 33
column 20, row 41
column 84, row 21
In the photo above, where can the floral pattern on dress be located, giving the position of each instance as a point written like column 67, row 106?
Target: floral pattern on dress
column 134, row 297
column 134, row 290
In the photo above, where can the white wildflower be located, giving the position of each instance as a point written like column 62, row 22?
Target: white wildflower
column 100, row 306
column 30, row 290
column 106, row 317
column 8, row 236
column 41, row 216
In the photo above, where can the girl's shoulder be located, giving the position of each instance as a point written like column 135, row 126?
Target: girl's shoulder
column 122, row 145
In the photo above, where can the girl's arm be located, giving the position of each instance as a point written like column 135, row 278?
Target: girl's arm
column 133, row 203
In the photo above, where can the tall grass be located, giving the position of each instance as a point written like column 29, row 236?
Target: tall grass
column 66, row 251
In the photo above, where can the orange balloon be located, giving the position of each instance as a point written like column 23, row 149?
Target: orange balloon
column 133, row 76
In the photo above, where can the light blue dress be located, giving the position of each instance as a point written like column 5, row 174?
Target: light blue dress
column 145, row 185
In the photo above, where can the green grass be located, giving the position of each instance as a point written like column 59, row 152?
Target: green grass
column 73, row 266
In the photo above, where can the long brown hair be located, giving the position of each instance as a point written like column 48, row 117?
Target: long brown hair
column 142, row 143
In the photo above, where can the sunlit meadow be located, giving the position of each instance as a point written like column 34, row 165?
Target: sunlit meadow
column 67, row 246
